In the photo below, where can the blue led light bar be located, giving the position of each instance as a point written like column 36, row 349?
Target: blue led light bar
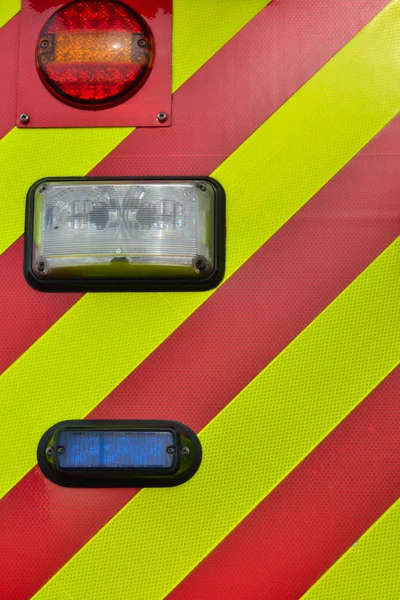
column 115, row 449
column 123, row 453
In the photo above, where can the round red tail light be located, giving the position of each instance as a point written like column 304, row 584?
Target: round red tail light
column 94, row 53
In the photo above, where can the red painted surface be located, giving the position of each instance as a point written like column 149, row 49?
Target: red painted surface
column 232, row 336
column 9, row 44
column 288, row 542
column 25, row 314
column 140, row 110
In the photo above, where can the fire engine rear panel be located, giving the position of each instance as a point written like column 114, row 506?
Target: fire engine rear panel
column 288, row 371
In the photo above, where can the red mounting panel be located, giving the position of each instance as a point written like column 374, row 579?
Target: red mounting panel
column 140, row 110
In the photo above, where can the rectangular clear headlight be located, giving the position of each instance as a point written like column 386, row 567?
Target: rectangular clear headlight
column 125, row 234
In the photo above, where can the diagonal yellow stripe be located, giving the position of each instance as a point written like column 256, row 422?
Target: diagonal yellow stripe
column 161, row 535
column 201, row 28
column 8, row 9
column 370, row 569
column 97, row 344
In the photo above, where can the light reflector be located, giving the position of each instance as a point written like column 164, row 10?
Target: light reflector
column 90, row 233
column 94, row 53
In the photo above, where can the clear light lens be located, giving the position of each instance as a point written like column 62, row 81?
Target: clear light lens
column 123, row 229
column 116, row 449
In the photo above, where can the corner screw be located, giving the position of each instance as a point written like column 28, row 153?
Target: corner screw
column 42, row 188
column 49, row 451
column 24, row 118
column 162, row 117
column 201, row 186
column 142, row 43
column 41, row 265
column 201, row 264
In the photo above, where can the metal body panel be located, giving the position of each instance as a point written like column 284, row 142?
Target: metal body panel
column 289, row 371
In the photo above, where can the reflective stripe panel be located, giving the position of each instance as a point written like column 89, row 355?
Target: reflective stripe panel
column 278, row 419
column 370, row 569
column 310, row 142
column 315, row 514
column 272, row 297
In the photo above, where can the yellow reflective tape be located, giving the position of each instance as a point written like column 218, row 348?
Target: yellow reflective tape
column 8, row 9
column 201, row 28
column 369, row 569
column 254, row 178
column 288, row 409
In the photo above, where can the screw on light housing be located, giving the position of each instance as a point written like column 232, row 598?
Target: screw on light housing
column 41, row 265
column 201, row 264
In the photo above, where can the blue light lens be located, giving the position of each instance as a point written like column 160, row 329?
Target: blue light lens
column 115, row 449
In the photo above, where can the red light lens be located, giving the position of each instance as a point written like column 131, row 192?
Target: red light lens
column 94, row 53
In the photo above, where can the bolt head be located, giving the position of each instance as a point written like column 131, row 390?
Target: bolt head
column 162, row 117
column 142, row 43
column 201, row 264
column 24, row 118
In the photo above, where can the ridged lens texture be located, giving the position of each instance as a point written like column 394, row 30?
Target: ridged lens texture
column 86, row 225
column 94, row 53
column 115, row 449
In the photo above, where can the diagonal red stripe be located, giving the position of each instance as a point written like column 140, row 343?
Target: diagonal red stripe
column 9, row 44
column 286, row 544
column 217, row 351
column 210, row 121
column 25, row 314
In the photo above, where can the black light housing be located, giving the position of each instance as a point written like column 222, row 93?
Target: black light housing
column 125, row 234
column 101, row 453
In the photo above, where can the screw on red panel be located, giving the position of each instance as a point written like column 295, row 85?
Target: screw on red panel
column 24, row 118
column 162, row 117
